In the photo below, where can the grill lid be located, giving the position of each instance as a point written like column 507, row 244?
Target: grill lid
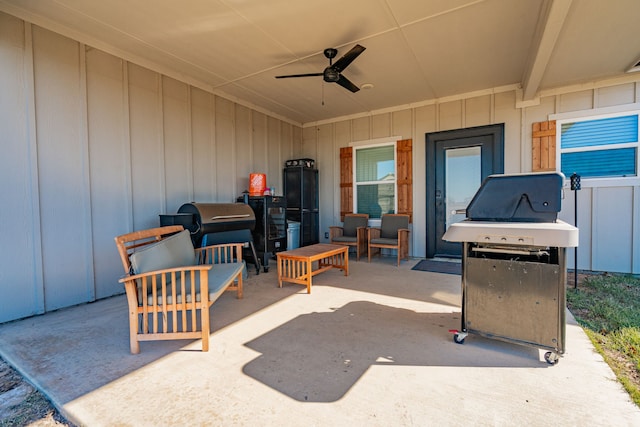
column 216, row 217
column 517, row 210
column 534, row 197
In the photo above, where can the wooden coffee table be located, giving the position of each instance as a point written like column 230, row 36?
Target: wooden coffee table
column 297, row 265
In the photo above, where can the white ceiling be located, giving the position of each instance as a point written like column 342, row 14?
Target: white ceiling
column 416, row 50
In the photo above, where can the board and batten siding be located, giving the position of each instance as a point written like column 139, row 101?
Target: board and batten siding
column 94, row 146
column 608, row 215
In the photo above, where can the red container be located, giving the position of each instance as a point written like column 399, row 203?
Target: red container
column 257, row 184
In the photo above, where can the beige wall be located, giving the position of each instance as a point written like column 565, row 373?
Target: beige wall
column 94, row 146
column 608, row 211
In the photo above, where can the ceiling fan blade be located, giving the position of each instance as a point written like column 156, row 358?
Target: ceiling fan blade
column 299, row 75
column 348, row 58
column 346, row 83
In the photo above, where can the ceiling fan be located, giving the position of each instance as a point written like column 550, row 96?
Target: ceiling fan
column 332, row 74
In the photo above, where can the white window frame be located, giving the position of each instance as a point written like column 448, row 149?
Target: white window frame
column 596, row 114
column 375, row 222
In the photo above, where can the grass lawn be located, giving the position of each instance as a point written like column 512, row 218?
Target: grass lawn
column 607, row 306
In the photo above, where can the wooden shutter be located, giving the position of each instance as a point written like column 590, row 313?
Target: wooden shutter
column 346, row 181
column 404, row 179
column 543, row 145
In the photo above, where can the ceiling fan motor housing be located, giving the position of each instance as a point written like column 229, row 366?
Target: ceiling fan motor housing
column 331, row 75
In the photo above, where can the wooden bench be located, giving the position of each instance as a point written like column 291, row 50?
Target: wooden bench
column 170, row 286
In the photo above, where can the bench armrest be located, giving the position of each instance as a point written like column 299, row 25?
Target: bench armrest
column 220, row 254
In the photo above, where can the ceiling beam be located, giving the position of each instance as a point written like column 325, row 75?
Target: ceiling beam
column 552, row 18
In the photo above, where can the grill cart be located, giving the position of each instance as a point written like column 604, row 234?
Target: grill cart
column 514, row 262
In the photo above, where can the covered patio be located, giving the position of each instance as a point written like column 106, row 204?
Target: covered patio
column 373, row 349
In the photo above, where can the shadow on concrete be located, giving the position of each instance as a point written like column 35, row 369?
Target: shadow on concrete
column 318, row 357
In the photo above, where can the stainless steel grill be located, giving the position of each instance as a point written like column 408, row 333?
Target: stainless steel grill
column 514, row 262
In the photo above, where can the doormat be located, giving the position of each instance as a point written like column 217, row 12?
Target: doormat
column 447, row 267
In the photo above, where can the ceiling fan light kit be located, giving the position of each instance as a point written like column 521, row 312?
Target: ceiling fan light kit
column 333, row 73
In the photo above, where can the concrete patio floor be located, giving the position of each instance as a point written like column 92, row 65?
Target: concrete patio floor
column 370, row 349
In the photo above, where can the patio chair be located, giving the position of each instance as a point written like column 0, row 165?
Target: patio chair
column 393, row 233
column 352, row 233
column 170, row 286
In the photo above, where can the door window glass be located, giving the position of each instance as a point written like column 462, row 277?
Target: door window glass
column 462, row 180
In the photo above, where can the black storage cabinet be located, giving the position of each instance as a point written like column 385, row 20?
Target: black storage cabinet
column 301, row 193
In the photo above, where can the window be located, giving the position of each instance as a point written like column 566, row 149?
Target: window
column 375, row 180
column 402, row 177
column 601, row 147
